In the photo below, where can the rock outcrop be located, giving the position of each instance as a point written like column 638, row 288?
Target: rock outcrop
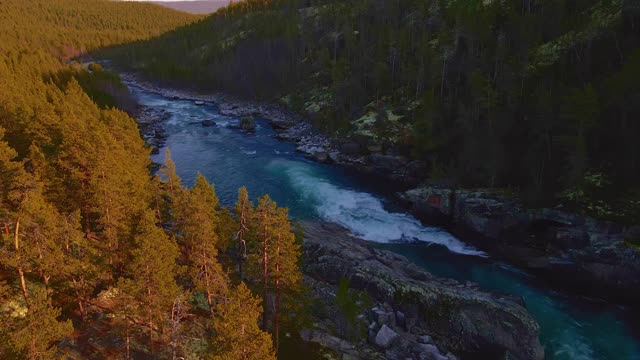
column 574, row 251
column 417, row 307
column 385, row 336
column 152, row 126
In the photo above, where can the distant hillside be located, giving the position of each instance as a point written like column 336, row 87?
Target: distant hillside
column 195, row 7
column 69, row 27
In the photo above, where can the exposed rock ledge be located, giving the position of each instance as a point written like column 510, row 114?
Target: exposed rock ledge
column 456, row 318
column 573, row 251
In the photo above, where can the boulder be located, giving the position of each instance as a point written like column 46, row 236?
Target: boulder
column 387, row 162
column 380, row 316
column 385, row 337
column 328, row 341
column 207, row 123
column 281, row 124
column 429, row 352
column 320, row 156
column 400, row 319
column 372, row 330
column 284, row 136
column 351, row 148
column 375, row 148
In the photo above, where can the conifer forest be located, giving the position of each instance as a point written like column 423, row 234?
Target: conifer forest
column 320, row 179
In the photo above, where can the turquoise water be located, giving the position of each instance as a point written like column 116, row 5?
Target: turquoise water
column 571, row 328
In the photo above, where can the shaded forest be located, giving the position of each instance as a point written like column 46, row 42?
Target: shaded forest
column 535, row 96
column 97, row 255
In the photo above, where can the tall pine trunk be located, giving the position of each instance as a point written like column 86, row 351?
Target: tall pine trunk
column 242, row 249
column 265, row 264
column 150, row 318
column 240, row 246
column 240, row 255
column 276, row 326
column 128, row 341
column 79, row 299
column 207, row 277
column 16, row 246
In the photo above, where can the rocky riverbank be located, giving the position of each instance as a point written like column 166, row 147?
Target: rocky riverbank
column 289, row 126
column 574, row 252
column 411, row 314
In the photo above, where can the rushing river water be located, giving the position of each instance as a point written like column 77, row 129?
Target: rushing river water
column 571, row 328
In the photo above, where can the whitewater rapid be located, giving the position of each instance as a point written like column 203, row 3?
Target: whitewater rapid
column 360, row 212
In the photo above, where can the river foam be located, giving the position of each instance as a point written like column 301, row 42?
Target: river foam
column 363, row 213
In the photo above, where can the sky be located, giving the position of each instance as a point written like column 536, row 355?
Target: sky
column 167, row 0
column 192, row 6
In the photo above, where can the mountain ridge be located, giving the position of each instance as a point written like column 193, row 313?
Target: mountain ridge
column 194, row 7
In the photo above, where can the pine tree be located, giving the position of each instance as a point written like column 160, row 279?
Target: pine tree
column 200, row 220
column 581, row 110
column 172, row 194
column 179, row 311
column 286, row 272
column 151, row 273
column 121, row 188
column 125, row 312
column 77, row 155
column 227, row 231
column 82, row 263
column 264, row 222
column 278, row 259
column 15, row 187
column 171, row 179
column 237, row 334
column 34, row 334
column 244, row 213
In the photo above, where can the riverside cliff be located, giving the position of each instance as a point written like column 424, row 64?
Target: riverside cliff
column 414, row 308
column 577, row 252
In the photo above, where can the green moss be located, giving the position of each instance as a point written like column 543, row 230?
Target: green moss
column 440, row 312
column 247, row 123
column 199, row 301
column 633, row 243
column 403, row 297
column 317, row 100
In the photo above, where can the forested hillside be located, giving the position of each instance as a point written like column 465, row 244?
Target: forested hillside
column 538, row 96
column 99, row 258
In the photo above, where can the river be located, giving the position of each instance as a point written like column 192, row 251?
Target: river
column 571, row 327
